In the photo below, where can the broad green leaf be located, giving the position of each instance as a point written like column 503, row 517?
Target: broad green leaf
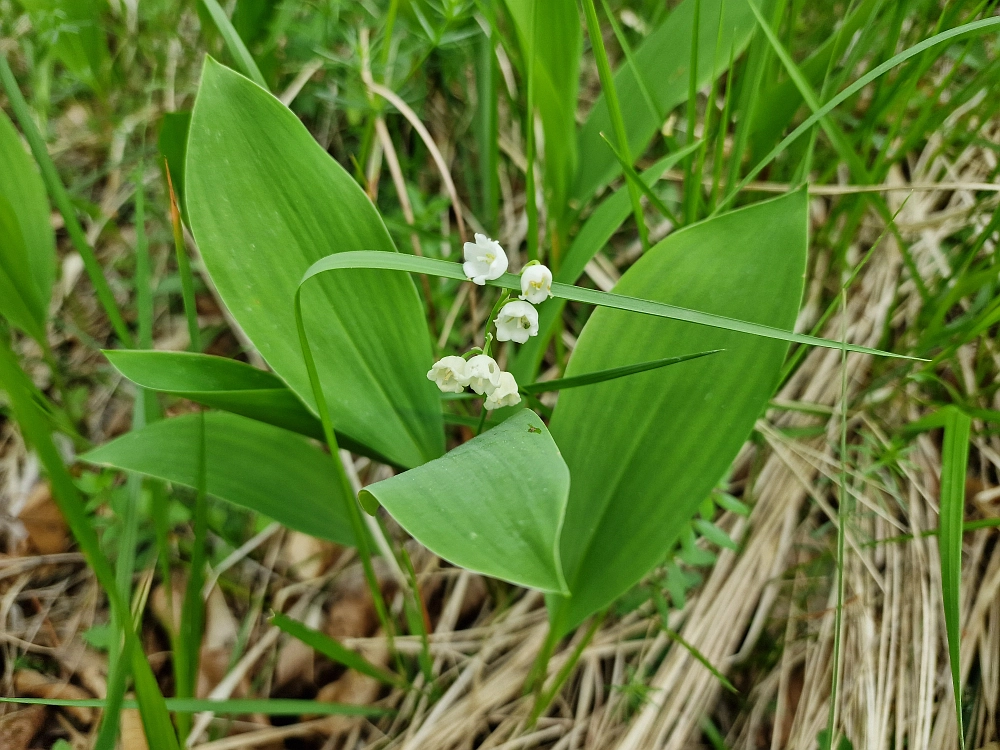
column 646, row 451
column 664, row 57
column 27, row 242
column 251, row 464
column 555, row 46
column 220, row 383
column 954, row 466
column 265, row 202
column 494, row 505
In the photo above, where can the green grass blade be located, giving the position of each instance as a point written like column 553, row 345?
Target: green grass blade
column 614, row 108
column 834, row 133
column 59, row 195
column 637, row 183
column 233, row 706
column 188, row 642
column 600, row 376
column 234, row 44
column 432, row 266
column 701, row 658
column 71, row 505
column 974, row 28
column 954, row 462
column 633, row 64
column 334, row 650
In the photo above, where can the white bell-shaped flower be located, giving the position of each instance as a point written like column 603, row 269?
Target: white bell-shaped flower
column 516, row 322
column 482, row 374
column 484, row 260
column 450, row 374
column 505, row 394
column 536, row 284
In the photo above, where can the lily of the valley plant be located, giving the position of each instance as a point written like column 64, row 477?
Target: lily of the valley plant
column 517, row 321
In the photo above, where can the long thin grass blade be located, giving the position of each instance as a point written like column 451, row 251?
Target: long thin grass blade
column 334, row 650
column 234, row 44
column 266, row 706
column 974, row 28
column 432, row 266
column 610, row 374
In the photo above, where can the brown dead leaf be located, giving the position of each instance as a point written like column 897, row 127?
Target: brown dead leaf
column 34, row 684
column 133, row 736
column 47, row 532
column 19, row 728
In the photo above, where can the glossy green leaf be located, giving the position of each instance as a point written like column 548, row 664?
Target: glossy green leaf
column 665, row 58
column 220, row 383
column 555, row 46
column 494, row 505
column 954, row 467
column 248, row 463
column 266, row 201
column 646, row 451
column 27, row 243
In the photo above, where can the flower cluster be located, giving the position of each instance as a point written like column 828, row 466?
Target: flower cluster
column 481, row 373
column 517, row 320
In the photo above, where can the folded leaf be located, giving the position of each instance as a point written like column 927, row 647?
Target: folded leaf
column 265, row 201
column 645, row 451
column 220, row 383
column 247, row 463
column 494, row 505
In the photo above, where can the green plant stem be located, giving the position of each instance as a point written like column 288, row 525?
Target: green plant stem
column 59, row 195
column 530, row 205
column 350, row 501
column 543, row 697
column 482, row 419
column 614, row 109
